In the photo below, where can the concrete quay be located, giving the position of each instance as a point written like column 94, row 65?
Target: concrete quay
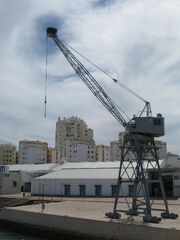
column 86, row 218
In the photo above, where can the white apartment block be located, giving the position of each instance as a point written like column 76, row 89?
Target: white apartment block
column 79, row 151
column 103, row 153
column 73, row 133
column 32, row 152
column 7, row 154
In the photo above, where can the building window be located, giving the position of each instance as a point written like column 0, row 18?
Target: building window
column 113, row 190
column 98, row 190
column 82, row 190
column 67, row 189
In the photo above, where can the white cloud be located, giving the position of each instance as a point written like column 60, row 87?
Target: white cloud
column 136, row 41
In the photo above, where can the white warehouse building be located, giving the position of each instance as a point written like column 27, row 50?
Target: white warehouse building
column 82, row 179
column 100, row 179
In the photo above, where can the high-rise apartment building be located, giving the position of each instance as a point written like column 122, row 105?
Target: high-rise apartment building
column 73, row 133
column 32, row 152
column 7, row 154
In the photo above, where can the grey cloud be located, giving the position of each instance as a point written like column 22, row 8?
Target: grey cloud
column 102, row 3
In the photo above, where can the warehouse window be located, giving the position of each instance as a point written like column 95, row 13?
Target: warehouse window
column 113, row 190
column 98, row 190
column 82, row 190
column 67, row 190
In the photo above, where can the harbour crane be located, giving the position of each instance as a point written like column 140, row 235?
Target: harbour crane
column 139, row 136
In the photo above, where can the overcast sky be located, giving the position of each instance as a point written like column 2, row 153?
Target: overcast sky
column 136, row 41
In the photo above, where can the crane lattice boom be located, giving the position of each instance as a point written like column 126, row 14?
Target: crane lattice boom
column 87, row 78
column 151, row 126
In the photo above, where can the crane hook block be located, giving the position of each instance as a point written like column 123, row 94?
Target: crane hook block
column 51, row 32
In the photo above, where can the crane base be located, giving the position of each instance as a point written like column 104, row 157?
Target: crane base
column 113, row 215
column 149, row 219
column 169, row 215
column 132, row 212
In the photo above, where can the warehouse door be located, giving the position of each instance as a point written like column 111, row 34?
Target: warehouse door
column 27, row 187
column 167, row 182
column 131, row 190
column 98, row 190
column 82, row 190
column 113, row 190
column 168, row 185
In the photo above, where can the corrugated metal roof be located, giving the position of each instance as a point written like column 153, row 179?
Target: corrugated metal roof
column 94, row 165
column 90, row 170
column 87, row 165
column 103, row 169
column 82, row 174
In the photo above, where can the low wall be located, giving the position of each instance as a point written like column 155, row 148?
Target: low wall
column 87, row 228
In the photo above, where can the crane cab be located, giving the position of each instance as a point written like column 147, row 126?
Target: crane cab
column 152, row 126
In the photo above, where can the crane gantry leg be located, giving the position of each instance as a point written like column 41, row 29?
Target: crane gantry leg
column 144, row 151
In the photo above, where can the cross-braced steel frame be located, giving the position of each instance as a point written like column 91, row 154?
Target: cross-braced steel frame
column 143, row 157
